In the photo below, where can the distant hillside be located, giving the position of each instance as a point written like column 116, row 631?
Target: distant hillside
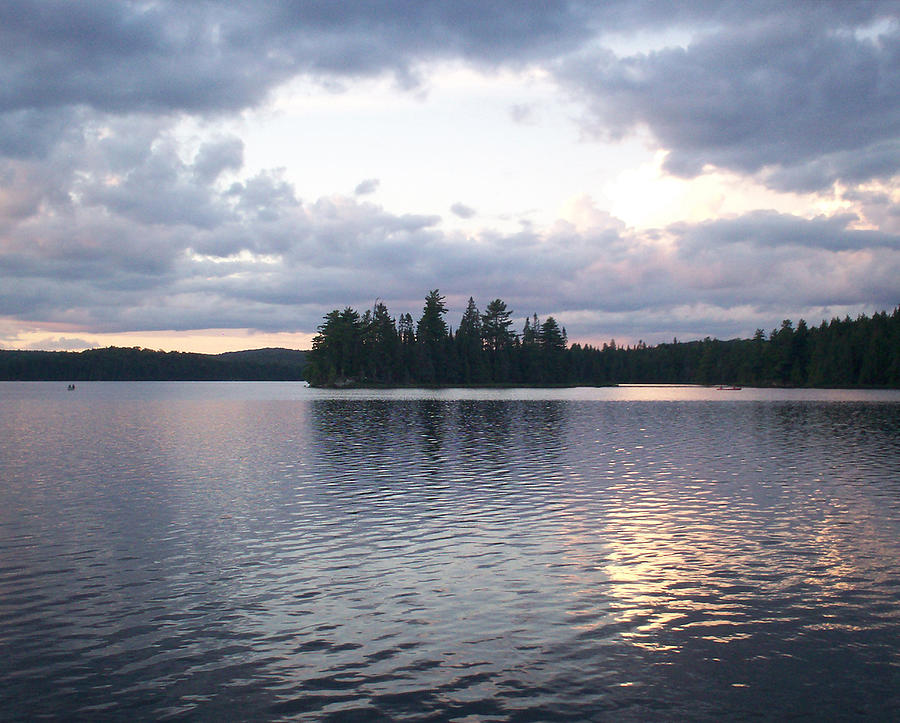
column 282, row 363
column 136, row 364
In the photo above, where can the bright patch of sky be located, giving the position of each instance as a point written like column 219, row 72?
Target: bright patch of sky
column 627, row 44
column 874, row 31
column 206, row 341
column 648, row 197
column 504, row 145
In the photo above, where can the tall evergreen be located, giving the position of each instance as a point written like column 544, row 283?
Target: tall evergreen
column 431, row 335
column 407, row 334
column 495, row 323
column 469, row 346
column 337, row 353
column 382, row 346
column 498, row 339
column 553, row 347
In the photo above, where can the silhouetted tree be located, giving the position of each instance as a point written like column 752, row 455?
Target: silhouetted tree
column 498, row 338
column 336, row 356
column 431, row 334
column 382, row 346
column 470, row 345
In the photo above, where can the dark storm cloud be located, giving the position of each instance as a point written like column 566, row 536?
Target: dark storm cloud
column 807, row 91
column 801, row 96
column 118, row 56
column 879, row 161
column 29, row 133
column 771, row 229
column 222, row 56
column 216, row 157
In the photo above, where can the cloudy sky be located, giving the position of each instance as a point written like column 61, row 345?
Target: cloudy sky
column 218, row 175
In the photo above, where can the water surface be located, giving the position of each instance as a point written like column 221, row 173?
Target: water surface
column 268, row 551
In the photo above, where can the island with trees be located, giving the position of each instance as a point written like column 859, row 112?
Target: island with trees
column 375, row 349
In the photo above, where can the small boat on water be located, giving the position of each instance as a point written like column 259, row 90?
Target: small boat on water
column 71, row 387
column 727, row 388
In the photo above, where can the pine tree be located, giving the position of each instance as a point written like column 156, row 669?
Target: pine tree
column 496, row 321
column 382, row 345
column 498, row 339
column 336, row 355
column 469, row 345
column 431, row 334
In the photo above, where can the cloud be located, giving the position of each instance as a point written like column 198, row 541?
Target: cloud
column 804, row 96
column 802, row 100
column 113, row 260
column 220, row 56
column 31, row 133
column 768, row 229
column 879, row 161
column 110, row 221
column 22, row 189
column 366, row 187
column 61, row 343
column 122, row 57
column 462, row 211
column 522, row 113
column 214, row 158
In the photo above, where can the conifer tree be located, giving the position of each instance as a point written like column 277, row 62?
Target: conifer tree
column 382, row 345
column 431, row 335
column 336, row 355
column 469, row 345
column 495, row 322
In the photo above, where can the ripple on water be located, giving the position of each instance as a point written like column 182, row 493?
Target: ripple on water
column 457, row 558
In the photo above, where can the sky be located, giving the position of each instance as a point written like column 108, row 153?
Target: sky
column 212, row 176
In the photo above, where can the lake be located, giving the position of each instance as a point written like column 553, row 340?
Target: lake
column 269, row 551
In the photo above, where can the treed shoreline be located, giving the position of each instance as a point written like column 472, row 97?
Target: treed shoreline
column 136, row 364
column 373, row 349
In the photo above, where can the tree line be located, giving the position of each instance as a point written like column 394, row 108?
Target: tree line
column 374, row 348
column 137, row 364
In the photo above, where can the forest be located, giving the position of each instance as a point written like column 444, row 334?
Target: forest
column 375, row 349
column 136, row 364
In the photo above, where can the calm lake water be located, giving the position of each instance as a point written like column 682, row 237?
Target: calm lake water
column 268, row 551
